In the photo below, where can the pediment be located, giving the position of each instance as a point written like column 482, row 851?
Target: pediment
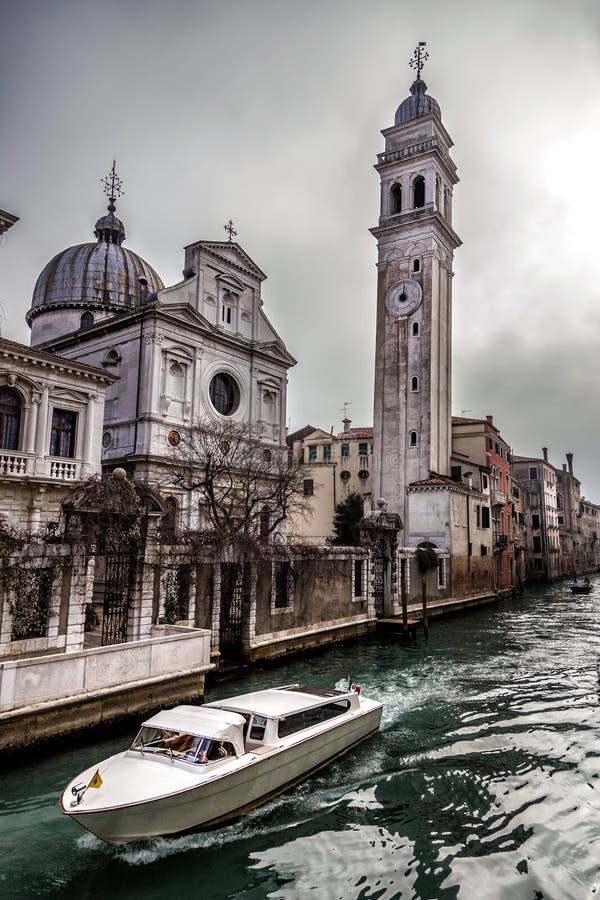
column 232, row 254
column 70, row 396
column 187, row 314
column 274, row 348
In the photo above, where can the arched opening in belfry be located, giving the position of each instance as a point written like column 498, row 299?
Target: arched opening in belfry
column 396, row 199
column 413, row 439
column 418, row 192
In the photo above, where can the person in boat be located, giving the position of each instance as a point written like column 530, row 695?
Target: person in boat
column 586, row 580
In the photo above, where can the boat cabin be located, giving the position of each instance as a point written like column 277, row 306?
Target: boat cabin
column 271, row 715
column 225, row 729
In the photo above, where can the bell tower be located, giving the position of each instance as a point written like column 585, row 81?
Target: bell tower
column 415, row 247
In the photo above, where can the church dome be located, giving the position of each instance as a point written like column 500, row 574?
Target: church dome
column 102, row 276
column 417, row 105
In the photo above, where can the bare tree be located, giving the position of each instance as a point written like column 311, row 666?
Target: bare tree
column 245, row 487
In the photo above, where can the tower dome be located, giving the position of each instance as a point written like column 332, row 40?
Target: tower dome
column 100, row 279
column 418, row 104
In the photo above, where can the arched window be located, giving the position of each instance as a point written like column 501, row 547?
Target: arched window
column 413, row 439
column 87, row 319
column 112, row 358
column 414, row 385
column 396, row 199
column 415, row 329
column 418, row 192
column 168, row 524
column 10, row 418
column 177, row 380
column 416, row 265
column 559, row 503
column 265, row 522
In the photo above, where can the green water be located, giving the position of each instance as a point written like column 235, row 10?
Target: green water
column 483, row 782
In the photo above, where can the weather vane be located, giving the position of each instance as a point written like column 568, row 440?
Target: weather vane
column 230, row 230
column 419, row 58
column 113, row 186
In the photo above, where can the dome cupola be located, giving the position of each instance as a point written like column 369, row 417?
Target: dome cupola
column 99, row 279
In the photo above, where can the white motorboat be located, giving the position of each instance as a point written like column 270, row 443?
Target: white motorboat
column 197, row 766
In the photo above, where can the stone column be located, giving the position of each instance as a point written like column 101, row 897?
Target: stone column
column 40, row 434
column 32, row 423
column 89, row 430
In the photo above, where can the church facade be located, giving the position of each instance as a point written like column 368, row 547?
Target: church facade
column 202, row 349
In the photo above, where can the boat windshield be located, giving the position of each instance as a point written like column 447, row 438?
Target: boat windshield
column 174, row 744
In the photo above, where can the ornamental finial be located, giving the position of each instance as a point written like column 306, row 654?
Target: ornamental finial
column 113, row 187
column 230, row 230
column 419, row 58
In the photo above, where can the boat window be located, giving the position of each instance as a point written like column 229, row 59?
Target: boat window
column 298, row 721
column 174, row 744
column 257, row 732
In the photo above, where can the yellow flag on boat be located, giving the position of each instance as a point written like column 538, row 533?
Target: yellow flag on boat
column 96, row 781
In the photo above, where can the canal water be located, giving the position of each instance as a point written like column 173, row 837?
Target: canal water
column 483, row 782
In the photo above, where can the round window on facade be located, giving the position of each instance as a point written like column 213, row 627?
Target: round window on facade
column 345, row 475
column 173, row 438
column 363, row 474
column 106, row 440
column 224, row 394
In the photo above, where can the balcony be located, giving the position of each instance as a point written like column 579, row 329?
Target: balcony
column 498, row 498
column 15, row 464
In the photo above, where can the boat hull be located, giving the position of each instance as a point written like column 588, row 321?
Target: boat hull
column 257, row 777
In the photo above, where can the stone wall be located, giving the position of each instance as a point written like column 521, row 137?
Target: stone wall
column 68, row 574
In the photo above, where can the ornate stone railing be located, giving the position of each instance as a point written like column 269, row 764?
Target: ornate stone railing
column 64, row 470
column 15, row 463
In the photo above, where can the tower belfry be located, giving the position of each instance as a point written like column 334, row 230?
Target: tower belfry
column 415, row 247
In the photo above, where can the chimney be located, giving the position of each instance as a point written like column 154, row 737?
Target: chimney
column 570, row 462
column 545, row 452
column 564, row 467
column 490, row 419
column 346, row 423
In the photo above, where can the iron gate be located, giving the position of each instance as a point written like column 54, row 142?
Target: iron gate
column 116, row 598
column 378, row 583
column 235, row 586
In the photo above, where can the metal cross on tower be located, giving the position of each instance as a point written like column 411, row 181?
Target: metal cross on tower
column 419, row 58
column 113, row 186
column 230, row 230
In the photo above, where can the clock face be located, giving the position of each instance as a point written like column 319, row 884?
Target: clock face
column 403, row 297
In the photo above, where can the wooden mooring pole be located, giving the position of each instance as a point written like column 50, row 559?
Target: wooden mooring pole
column 424, row 603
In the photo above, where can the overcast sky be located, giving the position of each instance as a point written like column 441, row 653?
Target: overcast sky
column 269, row 112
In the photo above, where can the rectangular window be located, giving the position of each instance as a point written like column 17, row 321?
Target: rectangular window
column 561, row 520
column 483, row 550
column 363, row 449
column 533, row 473
column 282, row 584
column 33, row 594
column 484, row 482
column 326, row 452
column 535, row 520
column 62, row 436
column 478, row 516
column 309, row 487
column 358, row 578
column 441, row 567
column 226, row 314
column 345, row 450
column 537, row 544
column 456, row 473
column 485, row 517
column 312, row 453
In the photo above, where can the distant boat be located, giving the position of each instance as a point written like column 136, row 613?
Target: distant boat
column 581, row 587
